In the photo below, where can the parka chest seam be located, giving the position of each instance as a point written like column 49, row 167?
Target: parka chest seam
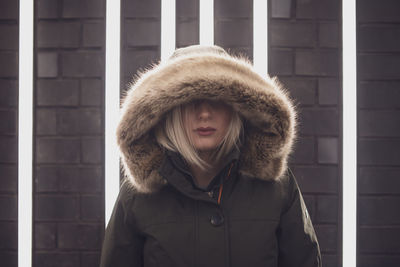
column 226, row 236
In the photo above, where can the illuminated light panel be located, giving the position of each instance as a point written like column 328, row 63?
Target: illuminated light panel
column 206, row 22
column 349, row 134
column 25, row 132
column 260, row 36
column 168, row 27
column 112, row 98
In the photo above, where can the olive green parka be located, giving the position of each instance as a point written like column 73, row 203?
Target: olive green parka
column 252, row 213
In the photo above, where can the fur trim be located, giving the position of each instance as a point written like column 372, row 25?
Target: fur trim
column 203, row 74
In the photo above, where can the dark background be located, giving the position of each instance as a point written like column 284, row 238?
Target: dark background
column 304, row 52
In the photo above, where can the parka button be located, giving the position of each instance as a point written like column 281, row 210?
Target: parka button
column 217, row 219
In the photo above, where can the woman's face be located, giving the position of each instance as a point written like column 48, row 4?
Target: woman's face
column 206, row 123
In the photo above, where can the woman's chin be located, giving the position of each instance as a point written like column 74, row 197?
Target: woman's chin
column 206, row 153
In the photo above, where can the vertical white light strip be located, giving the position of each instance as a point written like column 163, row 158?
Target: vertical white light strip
column 260, row 36
column 25, row 132
column 167, row 28
column 206, row 22
column 112, row 98
column 349, row 133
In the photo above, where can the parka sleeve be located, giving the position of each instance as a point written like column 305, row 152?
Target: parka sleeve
column 123, row 244
column 298, row 245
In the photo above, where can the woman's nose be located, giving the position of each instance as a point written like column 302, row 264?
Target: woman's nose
column 204, row 110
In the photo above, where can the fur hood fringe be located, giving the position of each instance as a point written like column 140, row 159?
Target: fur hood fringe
column 198, row 72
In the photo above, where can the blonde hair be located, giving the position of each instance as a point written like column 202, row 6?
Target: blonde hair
column 171, row 134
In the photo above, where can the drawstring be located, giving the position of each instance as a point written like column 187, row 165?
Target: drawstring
column 220, row 192
column 221, row 186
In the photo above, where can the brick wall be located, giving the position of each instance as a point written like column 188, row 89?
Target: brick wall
column 187, row 22
column 8, row 132
column 140, row 37
column 378, row 36
column 231, row 18
column 69, row 135
column 304, row 53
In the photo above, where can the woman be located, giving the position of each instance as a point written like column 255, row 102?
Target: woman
column 204, row 142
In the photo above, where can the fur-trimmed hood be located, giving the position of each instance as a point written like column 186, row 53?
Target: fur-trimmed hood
column 199, row 72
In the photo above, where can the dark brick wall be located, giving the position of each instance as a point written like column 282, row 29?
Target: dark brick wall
column 187, row 22
column 378, row 33
column 231, row 18
column 69, row 136
column 140, row 37
column 304, row 53
column 8, row 132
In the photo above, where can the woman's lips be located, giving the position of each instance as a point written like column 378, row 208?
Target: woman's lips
column 205, row 131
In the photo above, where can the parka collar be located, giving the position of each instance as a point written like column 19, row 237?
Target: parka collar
column 175, row 171
column 180, row 164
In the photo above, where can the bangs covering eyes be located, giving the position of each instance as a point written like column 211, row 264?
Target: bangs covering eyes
column 215, row 104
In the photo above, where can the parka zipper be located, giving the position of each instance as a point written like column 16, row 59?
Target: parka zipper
column 221, row 186
column 227, row 240
column 225, row 215
column 196, row 232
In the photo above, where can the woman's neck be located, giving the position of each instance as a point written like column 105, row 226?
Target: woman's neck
column 203, row 177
